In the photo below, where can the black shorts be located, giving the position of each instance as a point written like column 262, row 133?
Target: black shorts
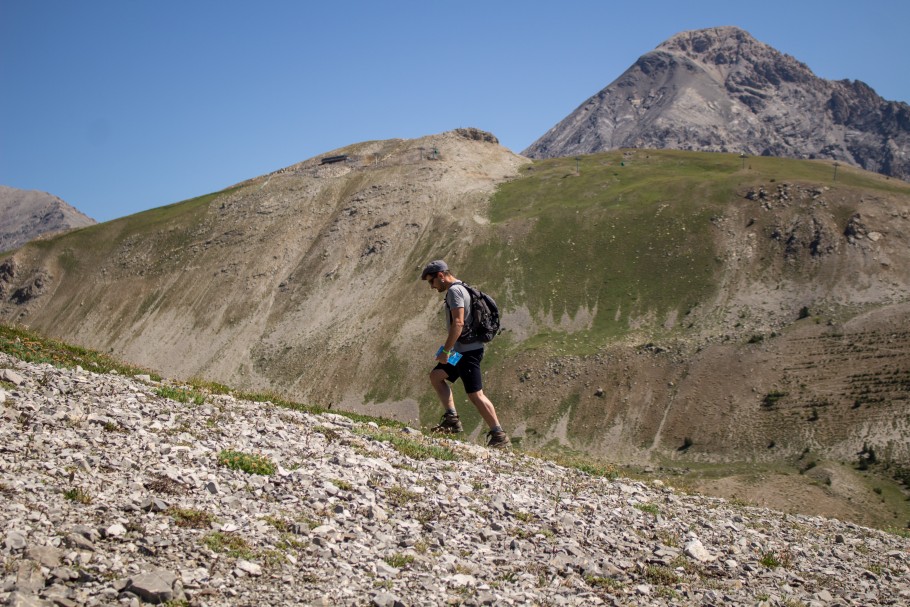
column 468, row 369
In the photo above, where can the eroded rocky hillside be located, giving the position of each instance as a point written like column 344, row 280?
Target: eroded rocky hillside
column 304, row 281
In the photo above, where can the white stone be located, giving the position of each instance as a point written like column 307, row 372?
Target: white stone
column 249, row 567
column 695, row 549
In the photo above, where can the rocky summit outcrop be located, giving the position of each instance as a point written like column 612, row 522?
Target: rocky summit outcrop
column 115, row 494
column 719, row 89
column 28, row 214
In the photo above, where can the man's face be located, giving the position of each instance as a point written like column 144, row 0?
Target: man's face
column 436, row 282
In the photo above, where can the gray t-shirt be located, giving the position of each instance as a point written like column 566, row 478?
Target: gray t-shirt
column 458, row 297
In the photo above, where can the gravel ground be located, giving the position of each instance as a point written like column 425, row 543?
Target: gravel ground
column 116, row 495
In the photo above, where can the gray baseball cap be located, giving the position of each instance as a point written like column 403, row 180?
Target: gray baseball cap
column 433, row 267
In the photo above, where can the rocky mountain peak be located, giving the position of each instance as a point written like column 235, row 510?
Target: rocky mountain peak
column 730, row 50
column 721, row 90
column 28, row 214
column 716, row 42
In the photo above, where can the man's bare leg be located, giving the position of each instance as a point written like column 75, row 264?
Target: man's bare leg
column 484, row 407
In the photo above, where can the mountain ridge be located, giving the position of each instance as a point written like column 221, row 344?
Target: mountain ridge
column 663, row 308
column 719, row 89
column 626, row 280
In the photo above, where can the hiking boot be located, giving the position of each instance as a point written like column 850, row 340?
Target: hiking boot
column 498, row 440
column 450, row 424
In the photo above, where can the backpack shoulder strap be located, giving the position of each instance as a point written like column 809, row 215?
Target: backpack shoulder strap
column 445, row 300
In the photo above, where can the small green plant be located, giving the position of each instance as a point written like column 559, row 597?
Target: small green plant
column 191, row 518
column 588, row 465
column 249, row 463
column 180, row 395
column 900, row 532
column 668, row 538
column 272, row 558
column 509, row 577
column 661, row 575
column 525, row 517
column 400, row 496
column 413, row 448
column 426, row 515
column 232, row 545
column 651, row 509
column 330, row 434
column 399, row 560
column 282, row 525
column 421, row 546
column 770, row 560
column 78, row 495
column 342, row 484
column 289, row 541
column 521, row 532
column 209, row 386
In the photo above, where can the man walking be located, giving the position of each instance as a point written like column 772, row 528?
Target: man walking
column 458, row 316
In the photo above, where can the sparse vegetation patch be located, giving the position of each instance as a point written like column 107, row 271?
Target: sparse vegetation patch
column 247, row 462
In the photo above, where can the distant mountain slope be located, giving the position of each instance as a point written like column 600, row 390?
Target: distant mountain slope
column 719, row 89
column 653, row 300
column 28, row 214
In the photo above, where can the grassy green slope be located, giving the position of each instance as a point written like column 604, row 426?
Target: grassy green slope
column 630, row 233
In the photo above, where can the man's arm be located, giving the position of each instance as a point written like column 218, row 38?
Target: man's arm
column 454, row 333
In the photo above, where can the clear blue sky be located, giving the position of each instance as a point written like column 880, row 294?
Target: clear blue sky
column 121, row 106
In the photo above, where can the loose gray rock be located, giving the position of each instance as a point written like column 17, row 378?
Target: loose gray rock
column 348, row 520
column 20, row 599
column 29, row 578
column 697, row 551
column 249, row 567
column 47, row 556
column 12, row 377
column 15, row 540
column 155, row 587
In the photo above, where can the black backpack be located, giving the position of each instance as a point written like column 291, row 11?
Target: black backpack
column 484, row 317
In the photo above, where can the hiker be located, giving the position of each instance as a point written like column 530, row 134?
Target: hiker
column 467, row 368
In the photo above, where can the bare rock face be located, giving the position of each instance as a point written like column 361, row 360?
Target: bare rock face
column 28, row 214
column 476, row 135
column 720, row 90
